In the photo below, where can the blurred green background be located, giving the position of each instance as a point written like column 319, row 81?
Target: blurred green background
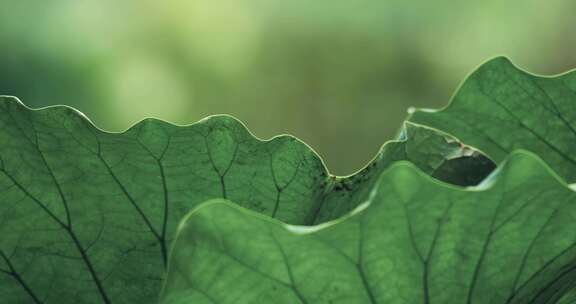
column 339, row 74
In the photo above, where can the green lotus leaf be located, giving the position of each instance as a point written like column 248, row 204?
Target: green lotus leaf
column 415, row 240
column 87, row 216
column 500, row 108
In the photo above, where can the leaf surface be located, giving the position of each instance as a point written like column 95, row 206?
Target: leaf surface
column 500, row 108
column 510, row 240
column 87, row 216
